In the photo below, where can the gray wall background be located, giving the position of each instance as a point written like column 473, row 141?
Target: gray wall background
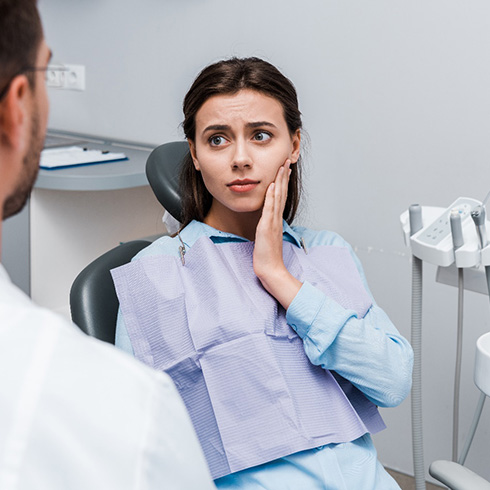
column 396, row 101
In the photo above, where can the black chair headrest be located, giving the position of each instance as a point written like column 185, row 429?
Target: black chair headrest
column 163, row 171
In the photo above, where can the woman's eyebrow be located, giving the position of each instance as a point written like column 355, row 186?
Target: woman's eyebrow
column 216, row 127
column 250, row 125
column 259, row 124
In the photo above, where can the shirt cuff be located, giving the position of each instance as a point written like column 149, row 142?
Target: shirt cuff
column 304, row 308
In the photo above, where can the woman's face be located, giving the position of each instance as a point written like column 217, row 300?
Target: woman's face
column 241, row 141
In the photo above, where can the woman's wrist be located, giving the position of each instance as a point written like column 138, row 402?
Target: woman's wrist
column 282, row 285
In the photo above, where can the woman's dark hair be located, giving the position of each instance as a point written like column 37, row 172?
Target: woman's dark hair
column 20, row 36
column 228, row 77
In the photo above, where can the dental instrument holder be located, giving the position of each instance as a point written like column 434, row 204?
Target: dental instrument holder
column 434, row 244
column 456, row 229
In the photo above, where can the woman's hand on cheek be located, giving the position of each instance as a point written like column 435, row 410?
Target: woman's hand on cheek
column 267, row 259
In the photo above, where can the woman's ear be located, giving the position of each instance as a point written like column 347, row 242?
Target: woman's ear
column 296, row 146
column 192, row 149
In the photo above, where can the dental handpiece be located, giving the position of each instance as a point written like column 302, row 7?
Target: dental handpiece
column 478, row 216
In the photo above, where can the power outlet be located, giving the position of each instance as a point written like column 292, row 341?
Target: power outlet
column 67, row 77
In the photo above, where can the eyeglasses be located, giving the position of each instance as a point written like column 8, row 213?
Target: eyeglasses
column 49, row 70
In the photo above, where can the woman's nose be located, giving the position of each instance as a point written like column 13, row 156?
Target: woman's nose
column 241, row 157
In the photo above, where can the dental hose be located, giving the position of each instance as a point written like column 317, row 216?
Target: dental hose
column 415, row 216
column 457, row 374
column 458, row 241
column 474, row 425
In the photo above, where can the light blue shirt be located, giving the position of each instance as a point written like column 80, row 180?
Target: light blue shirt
column 369, row 352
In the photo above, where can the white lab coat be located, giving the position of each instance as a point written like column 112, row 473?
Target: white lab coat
column 75, row 413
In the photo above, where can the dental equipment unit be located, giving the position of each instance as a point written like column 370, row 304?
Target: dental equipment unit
column 455, row 236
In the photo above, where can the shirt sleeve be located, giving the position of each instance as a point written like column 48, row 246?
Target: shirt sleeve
column 369, row 352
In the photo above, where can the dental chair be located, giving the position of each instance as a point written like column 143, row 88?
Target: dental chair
column 93, row 300
column 163, row 170
column 455, row 475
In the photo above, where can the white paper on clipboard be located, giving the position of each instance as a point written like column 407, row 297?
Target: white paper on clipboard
column 52, row 158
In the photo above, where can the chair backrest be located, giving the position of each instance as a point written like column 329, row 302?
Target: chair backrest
column 93, row 301
column 163, row 170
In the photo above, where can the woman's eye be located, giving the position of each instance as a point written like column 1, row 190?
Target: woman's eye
column 216, row 140
column 262, row 136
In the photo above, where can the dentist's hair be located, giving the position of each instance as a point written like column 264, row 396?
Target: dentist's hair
column 228, row 77
column 20, row 36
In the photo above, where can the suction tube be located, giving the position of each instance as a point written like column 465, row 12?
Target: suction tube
column 415, row 216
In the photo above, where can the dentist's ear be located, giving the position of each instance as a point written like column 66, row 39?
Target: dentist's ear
column 296, row 146
column 192, row 149
column 14, row 113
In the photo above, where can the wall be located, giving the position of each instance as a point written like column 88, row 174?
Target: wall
column 395, row 98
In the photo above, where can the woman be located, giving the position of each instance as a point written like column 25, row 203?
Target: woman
column 268, row 330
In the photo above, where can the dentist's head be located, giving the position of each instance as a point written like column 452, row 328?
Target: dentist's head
column 24, row 57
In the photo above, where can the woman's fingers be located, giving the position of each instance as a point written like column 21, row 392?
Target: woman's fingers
column 278, row 190
column 275, row 201
column 281, row 189
column 285, row 182
column 276, row 195
column 268, row 210
column 268, row 260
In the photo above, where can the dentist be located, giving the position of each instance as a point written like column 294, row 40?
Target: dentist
column 75, row 413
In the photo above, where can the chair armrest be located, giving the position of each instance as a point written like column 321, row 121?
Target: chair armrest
column 457, row 477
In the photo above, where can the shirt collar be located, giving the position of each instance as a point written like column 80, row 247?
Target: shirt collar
column 288, row 231
column 196, row 229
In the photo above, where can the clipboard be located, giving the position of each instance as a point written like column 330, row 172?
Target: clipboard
column 73, row 156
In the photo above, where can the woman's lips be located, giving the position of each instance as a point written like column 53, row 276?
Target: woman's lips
column 245, row 185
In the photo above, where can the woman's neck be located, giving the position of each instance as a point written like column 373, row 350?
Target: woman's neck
column 240, row 224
